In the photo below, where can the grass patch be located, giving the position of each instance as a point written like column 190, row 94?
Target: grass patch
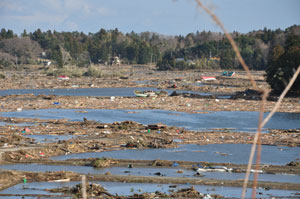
column 91, row 71
column 101, row 72
column 2, row 76
column 71, row 71
column 103, row 162
column 94, row 71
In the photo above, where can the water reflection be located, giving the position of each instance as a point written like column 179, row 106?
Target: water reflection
column 137, row 171
column 236, row 120
column 126, row 189
column 50, row 138
column 231, row 153
column 125, row 92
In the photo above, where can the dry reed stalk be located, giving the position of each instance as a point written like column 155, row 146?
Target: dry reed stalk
column 265, row 94
column 260, row 126
column 83, row 182
column 258, row 156
column 256, row 138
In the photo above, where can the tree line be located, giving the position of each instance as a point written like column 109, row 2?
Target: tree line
column 195, row 50
column 276, row 51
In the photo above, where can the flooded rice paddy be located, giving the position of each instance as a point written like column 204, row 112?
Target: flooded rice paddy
column 95, row 92
column 17, row 124
column 130, row 188
column 33, row 188
column 234, row 120
column 198, row 121
column 50, row 138
column 218, row 153
column 137, row 171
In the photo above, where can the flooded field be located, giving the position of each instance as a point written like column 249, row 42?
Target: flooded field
column 229, row 192
column 232, row 120
column 16, row 124
column 125, row 92
column 35, row 190
column 39, row 189
column 57, row 130
column 143, row 171
column 50, row 138
column 96, row 92
column 230, row 153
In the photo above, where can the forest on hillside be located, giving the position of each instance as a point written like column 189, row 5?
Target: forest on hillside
column 198, row 50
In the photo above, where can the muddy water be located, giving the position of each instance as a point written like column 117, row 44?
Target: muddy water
column 235, row 120
column 168, row 172
column 231, row 153
column 130, row 188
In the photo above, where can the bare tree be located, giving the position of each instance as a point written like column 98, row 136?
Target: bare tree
column 23, row 48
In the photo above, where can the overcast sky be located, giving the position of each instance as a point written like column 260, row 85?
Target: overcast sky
column 170, row 17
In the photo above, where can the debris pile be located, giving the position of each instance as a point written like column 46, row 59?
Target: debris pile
column 181, row 193
column 52, row 176
column 14, row 140
column 150, row 143
column 161, row 163
column 248, row 94
column 103, row 162
column 92, row 190
column 187, row 193
column 294, row 164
